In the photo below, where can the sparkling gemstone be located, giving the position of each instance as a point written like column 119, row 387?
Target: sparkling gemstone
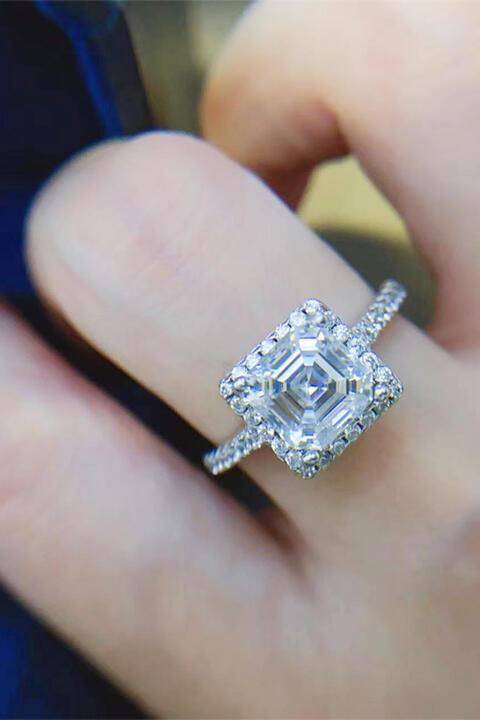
column 371, row 359
column 339, row 445
column 298, row 319
column 240, row 384
column 340, row 332
column 252, row 417
column 282, row 330
column 358, row 343
column 381, row 391
column 238, row 404
column 368, row 419
column 311, row 457
column 238, row 372
column 326, row 459
column 294, row 459
column 226, row 388
column 312, row 307
column 279, row 447
column 267, row 346
column 383, row 375
column 352, row 432
column 309, row 387
column 252, row 360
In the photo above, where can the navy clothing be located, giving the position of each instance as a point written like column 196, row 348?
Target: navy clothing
column 41, row 678
column 45, row 116
column 68, row 78
column 48, row 111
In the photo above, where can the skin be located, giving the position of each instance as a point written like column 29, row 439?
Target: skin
column 368, row 604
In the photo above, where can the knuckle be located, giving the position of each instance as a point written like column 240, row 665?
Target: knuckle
column 28, row 444
column 464, row 570
column 133, row 215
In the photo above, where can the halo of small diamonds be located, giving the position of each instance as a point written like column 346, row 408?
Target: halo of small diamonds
column 243, row 386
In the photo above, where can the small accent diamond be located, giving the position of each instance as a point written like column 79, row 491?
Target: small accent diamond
column 383, row 375
column 252, row 360
column 238, row 404
column 238, row 371
column 339, row 446
column 226, row 388
column 312, row 307
column 353, row 432
column 311, row 457
column 240, row 383
column 279, row 447
column 298, row 318
column 396, row 389
column 326, row 459
column 282, row 330
column 381, row 391
column 267, row 346
column 252, row 417
column 341, row 332
column 294, row 459
column 368, row 419
column 371, row 359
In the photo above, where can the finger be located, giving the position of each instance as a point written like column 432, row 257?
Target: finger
column 175, row 262
column 122, row 546
column 298, row 81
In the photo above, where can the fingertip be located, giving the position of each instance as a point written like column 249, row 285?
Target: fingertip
column 220, row 111
column 265, row 115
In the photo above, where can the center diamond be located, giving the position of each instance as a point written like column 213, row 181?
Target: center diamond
column 308, row 387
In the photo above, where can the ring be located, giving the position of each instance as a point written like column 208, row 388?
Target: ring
column 311, row 387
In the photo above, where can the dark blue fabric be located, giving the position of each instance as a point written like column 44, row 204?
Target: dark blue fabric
column 101, row 40
column 46, row 115
column 81, row 36
column 41, row 678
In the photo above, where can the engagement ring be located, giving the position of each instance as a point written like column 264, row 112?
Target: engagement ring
column 312, row 387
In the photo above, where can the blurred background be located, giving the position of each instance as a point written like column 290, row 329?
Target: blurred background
column 78, row 72
column 341, row 203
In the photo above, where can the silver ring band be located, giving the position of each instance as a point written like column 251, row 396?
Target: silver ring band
column 233, row 451
column 384, row 307
column 359, row 339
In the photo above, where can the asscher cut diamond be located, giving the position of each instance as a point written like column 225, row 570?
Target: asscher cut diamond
column 309, row 387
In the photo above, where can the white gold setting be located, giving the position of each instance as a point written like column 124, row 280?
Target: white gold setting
column 311, row 387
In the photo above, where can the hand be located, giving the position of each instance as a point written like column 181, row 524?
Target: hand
column 359, row 597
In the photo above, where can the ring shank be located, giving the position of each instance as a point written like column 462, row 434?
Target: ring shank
column 233, row 451
column 383, row 308
column 379, row 313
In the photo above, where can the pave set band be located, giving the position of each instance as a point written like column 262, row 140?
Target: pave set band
column 311, row 387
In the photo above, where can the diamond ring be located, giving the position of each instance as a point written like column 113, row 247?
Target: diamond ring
column 311, row 387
